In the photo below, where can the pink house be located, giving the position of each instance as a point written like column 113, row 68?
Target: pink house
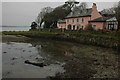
column 78, row 18
column 104, row 23
column 61, row 24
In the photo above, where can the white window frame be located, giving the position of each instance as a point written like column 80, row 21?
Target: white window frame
column 94, row 27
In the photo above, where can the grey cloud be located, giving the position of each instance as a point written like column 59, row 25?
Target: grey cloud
column 23, row 13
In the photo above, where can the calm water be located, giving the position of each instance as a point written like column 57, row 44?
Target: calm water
column 65, row 60
column 15, row 28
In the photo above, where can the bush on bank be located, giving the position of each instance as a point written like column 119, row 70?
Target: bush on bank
column 102, row 34
column 100, row 38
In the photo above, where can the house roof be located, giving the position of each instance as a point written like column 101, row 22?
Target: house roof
column 77, row 12
column 112, row 19
column 101, row 19
column 61, row 21
column 104, row 19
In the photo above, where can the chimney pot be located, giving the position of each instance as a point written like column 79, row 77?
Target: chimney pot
column 94, row 6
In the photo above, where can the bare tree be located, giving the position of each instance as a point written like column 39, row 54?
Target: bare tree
column 41, row 15
column 72, row 3
column 83, row 5
column 110, row 12
column 117, row 14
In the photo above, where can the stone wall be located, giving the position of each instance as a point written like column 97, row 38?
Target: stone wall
column 89, row 40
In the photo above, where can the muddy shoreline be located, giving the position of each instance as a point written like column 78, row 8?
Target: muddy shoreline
column 81, row 62
column 81, row 39
column 8, row 38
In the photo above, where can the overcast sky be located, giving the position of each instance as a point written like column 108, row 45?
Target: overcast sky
column 23, row 13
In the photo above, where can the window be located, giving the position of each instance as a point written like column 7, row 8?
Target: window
column 72, row 20
column 77, row 20
column 94, row 27
column 82, row 20
column 68, row 21
column 69, row 27
column 111, row 25
column 77, row 27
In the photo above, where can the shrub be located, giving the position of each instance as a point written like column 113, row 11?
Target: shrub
column 33, row 26
column 89, row 27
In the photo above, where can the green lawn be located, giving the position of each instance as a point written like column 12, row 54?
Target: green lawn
column 115, row 36
column 27, row 32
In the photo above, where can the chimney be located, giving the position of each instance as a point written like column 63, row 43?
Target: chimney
column 94, row 6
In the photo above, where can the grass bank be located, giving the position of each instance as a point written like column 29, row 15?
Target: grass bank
column 115, row 36
column 111, row 40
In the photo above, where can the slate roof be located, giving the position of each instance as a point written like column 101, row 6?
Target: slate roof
column 80, row 13
column 112, row 19
column 61, row 21
column 101, row 19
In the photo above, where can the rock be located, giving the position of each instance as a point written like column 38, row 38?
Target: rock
column 14, row 58
column 30, row 55
column 36, row 58
column 95, row 60
column 57, row 62
column 94, row 54
column 35, row 63
column 12, row 63
column 39, row 58
column 4, row 52
column 96, row 63
column 23, row 50
column 30, row 51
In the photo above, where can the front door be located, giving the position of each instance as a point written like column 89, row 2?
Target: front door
column 73, row 27
column 69, row 27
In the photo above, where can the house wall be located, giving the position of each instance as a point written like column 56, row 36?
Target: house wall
column 79, row 24
column 95, row 14
column 99, row 25
column 61, row 25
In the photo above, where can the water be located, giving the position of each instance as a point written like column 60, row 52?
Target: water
column 15, row 28
column 65, row 59
column 17, row 68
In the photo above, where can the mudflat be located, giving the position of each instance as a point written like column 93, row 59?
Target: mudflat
column 65, row 59
column 6, row 38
